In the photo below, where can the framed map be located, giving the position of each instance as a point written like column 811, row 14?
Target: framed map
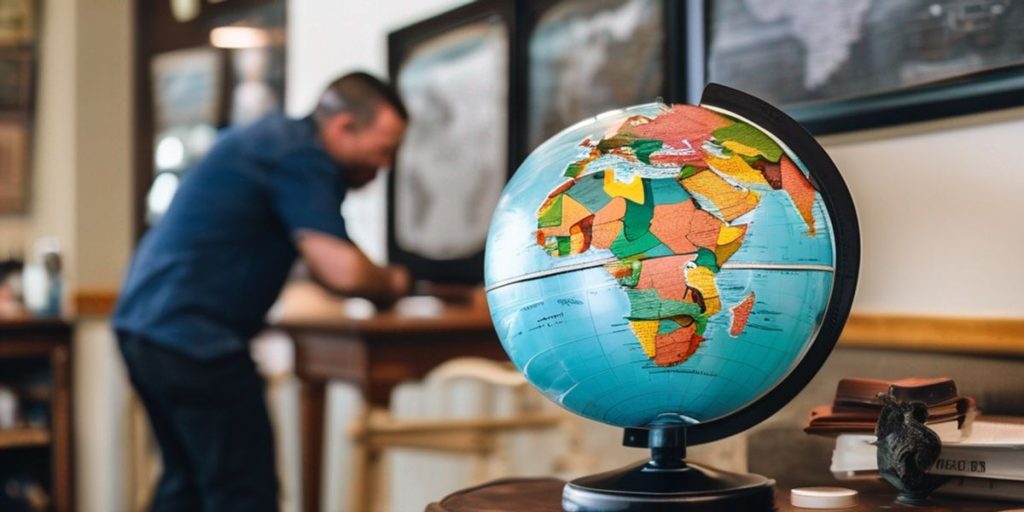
column 584, row 57
column 17, row 97
column 17, row 22
column 16, row 80
column 14, row 140
column 454, row 73
column 839, row 65
column 187, row 87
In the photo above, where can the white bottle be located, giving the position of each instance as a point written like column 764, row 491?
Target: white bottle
column 41, row 279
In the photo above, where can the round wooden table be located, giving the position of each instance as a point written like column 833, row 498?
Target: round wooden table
column 545, row 495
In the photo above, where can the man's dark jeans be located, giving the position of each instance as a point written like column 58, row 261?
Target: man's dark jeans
column 210, row 420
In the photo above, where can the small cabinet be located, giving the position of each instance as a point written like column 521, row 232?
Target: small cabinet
column 36, row 450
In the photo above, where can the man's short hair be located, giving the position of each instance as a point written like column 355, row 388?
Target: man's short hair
column 358, row 94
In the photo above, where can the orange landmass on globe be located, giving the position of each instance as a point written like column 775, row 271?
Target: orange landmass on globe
column 738, row 169
column 666, row 222
column 671, row 235
column 677, row 346
column 682, row 127
column 665, row 276
column 731, row 202
column 740, row 315
column 800, row 191
column 730, row 238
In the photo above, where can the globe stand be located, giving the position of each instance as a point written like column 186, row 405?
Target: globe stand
column 667, row 481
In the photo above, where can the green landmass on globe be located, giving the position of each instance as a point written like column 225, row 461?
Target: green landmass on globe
column 670, row 236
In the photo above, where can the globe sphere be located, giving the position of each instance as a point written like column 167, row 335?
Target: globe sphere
column 661, row 264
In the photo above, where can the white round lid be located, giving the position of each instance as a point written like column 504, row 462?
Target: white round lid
column 823, row 497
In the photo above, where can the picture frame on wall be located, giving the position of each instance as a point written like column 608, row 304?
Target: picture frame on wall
column 842, row 65
column 584, row 57
column 17, row 23
column 455, row 73
column 188, row 87
column 16, row 80
column 14, row 165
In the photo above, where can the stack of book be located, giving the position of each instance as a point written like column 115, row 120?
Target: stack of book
column 987, row 463
column 984, row 455
column 858, row 402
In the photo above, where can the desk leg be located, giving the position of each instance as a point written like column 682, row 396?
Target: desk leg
column 60, row 407
column 312, row 402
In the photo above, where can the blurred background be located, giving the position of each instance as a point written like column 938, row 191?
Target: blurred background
column 106, row 104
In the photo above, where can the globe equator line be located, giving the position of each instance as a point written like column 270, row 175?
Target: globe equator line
column 562, row 269
column 777, row 266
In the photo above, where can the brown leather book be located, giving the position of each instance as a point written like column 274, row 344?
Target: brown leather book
column 858, row 402
column 825, row 420
column 931, row 391
column 955, row 405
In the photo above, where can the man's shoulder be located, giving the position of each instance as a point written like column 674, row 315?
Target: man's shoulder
column 276, row 135
column 273, row 121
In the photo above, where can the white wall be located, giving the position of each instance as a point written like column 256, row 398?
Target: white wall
column 101, row 213
column 103, row 185
column 940, row 206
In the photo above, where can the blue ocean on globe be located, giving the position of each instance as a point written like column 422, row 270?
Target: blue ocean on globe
column 659, row 264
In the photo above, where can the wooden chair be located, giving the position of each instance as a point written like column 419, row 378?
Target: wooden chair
column 475, row 437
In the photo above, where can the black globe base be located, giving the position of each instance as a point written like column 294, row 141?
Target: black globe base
column 667, row 482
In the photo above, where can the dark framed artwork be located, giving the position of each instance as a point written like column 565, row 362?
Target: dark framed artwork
column 14, row 161
column 187, row 87
column 584, row 57
column 454, row 72
column 840, row 65
column 17, row 22
column 189, row 104
column 16, row 80
column 18, row 32
column 186, row 90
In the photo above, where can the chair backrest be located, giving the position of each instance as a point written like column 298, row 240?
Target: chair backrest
column 479, row 369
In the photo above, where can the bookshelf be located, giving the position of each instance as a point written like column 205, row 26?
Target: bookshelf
column 41, row 449
column 24, row 437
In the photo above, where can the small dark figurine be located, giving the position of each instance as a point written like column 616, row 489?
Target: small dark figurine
column 907, row 450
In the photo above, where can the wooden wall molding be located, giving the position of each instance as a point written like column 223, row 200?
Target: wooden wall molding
column 94, row 301
column 971, row 335
column 936, row 334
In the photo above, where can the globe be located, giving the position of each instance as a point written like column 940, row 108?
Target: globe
column 674, row 265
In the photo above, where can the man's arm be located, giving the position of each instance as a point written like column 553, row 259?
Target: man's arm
column 343, row 268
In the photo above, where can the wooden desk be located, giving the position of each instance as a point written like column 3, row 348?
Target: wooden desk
column 545, row 495
column 375, row 354
column 47, row 341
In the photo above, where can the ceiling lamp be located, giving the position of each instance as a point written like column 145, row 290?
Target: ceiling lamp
column 185, row 10
column 235, row 36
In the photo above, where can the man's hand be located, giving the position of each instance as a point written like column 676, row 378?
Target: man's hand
column 341, row 267
column 401, row 281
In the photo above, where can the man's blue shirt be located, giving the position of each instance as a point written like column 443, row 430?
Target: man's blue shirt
column 203, row 279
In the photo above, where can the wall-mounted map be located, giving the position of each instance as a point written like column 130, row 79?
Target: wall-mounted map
column 453, row 163
column 797, row 51
column 590, row 56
